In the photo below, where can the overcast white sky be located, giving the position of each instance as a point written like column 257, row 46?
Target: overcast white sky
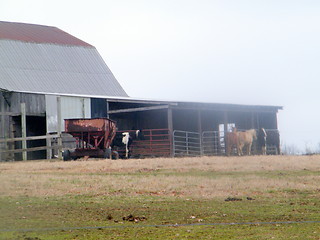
column 259, row 52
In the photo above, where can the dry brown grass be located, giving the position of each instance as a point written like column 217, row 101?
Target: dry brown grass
column 202, row 177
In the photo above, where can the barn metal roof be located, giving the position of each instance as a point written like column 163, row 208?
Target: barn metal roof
column 198, row 105
column 38, row 34
column 63, row 65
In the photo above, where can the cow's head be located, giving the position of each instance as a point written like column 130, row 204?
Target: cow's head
column 125, row 138
column 139, row 135
column 263, row 132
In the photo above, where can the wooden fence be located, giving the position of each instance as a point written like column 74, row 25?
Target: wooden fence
column 24, row 148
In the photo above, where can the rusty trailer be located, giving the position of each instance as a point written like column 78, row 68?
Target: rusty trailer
column 93, row 137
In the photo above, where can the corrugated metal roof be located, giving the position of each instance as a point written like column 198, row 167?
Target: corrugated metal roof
column 51, row 68
column 38, row 34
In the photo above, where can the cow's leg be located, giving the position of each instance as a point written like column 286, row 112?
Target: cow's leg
column 238, row 150
column 240, row 146
column 264, row 150
column 228, row 149
column 249, row 148
column 127, row 151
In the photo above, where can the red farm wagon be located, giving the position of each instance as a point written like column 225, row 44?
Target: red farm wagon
column 93, row 137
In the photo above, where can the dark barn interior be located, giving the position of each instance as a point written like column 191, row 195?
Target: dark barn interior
column 192, row 117
column 187, row 116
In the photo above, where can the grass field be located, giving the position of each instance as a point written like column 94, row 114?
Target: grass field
column 180, row 198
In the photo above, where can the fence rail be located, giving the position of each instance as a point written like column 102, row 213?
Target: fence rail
column 213, row 143
column 156, row 143
column 28, row 138
column 186, row 143
column 48, row 146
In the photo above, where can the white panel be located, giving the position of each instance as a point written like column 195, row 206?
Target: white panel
column 71, row 107
column 75, row 107
column 51, row 113
column 87, row 107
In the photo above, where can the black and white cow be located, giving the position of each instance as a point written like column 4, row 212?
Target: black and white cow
column 273, row 140
column 262, row 141
column 123, row 140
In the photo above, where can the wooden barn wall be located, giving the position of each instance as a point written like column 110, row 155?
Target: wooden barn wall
column 4, row 120
column 99, row 108
column 267, row 120
column 185, row 120
column 35, row 103
column 35, row 106
column 210, row 120
column 5, row 125
column 10, row 126
column 124, row 121
column 156, row 119
column 188, row 120
column 243, row 120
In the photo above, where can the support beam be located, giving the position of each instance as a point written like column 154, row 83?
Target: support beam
column 170, row 127
column 225, row 125
column 108, row 107
column 9, row 114
column 24, row 130
column 200, row 128
column 49, row 150
column 59, row 122
column 2, row 129
column 127, row 110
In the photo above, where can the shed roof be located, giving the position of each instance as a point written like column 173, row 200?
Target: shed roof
column 194, row 105
column 49, row 60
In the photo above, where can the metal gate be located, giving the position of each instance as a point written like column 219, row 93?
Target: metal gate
column 186, row 143
column 156, row 143
column 212, row 143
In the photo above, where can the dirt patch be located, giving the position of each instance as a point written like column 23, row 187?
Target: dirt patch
column 132, row 218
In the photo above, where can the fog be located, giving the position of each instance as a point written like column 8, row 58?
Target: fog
column 243, row 52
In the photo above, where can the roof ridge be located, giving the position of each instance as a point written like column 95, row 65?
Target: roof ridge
column 28, row 32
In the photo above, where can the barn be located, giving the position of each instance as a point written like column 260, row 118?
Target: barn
column 38, row 64
column 43, row 68
column 179, row 128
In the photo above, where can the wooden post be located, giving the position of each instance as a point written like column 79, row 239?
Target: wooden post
column 276, row 127
column 49, row 149
column 24, row 130
column 107, row 109
column 11, row 135
column 2, row 129
column 200, row 131
column 83, row 108
column 59, row 123
column 225, row 125
column 170, row 127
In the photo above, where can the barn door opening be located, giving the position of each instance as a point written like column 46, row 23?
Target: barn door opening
column 36, row 126
column 222, row 130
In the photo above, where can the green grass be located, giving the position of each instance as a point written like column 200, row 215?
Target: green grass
column 58, row 215
column 54, row 201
